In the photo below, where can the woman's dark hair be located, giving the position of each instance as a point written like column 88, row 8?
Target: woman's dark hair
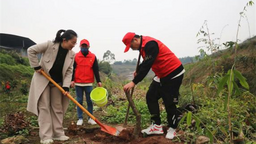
column 68, row 34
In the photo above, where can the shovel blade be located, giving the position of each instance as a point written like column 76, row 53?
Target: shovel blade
column 110, row 130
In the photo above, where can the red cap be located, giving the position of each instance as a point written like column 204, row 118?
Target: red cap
column 84, row 41
column 127, row 40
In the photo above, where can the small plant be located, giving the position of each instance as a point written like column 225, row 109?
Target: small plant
column 33, row 121
column 210, row 43
column 189, row 117
column 229, row 79
column 24, row 87
column 24, row 132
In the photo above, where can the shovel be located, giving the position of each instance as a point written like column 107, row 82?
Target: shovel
column 105, row 128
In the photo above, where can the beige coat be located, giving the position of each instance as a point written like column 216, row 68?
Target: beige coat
column 49, row 52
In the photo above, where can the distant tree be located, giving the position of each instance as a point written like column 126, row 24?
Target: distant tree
column 118, row 63
column 105, row 67
column 108, row 56
column 134, row 61
column 130, row 62
column 202, row 54
column 127, row 61
column 187, row 59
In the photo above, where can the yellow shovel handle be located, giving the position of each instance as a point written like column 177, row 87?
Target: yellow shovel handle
column 68, row 95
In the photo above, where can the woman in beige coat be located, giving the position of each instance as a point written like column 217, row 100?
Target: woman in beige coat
column 45, row 100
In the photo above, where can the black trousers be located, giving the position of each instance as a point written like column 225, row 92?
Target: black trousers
column 169, row 92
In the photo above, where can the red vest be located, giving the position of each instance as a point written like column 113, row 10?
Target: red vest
column 165, row 62
column 7, row 86
column 84, row 72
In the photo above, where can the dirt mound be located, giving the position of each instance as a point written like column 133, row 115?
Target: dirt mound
column 97, row 136
column 13, row 123
column 87, row 134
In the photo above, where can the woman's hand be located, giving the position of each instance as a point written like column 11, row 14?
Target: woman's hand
column 134, row 74
column 39, row 70
column 72, row 85
column 65, row 93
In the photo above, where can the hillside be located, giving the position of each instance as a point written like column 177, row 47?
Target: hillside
column 15, row 69
column 126, row 69
column 221, row 61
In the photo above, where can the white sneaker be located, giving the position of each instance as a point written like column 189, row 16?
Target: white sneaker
column 80, row 122
column 61, row 138
column 171, row 133
column 48, row 141
column 91, row 121
column 153, row 129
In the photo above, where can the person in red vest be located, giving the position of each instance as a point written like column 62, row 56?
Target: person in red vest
column 166, row 82
column 7, row 87
column 85, row 68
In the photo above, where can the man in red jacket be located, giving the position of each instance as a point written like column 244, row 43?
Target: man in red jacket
column 166, row 83
column 85, row 68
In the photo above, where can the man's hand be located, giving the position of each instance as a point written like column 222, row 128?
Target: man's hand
column 72, row 85
column 134, row 74
column 99, row 84
column 129, row 86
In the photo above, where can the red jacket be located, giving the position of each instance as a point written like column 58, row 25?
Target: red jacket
column 165, row 62
column 84, row 72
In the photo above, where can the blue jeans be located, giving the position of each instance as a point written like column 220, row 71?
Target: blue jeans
column 79, row 97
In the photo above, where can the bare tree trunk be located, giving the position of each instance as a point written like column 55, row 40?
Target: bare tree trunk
column 192, row 91
column 137, row 128
column 128, row 109
column 228, row 106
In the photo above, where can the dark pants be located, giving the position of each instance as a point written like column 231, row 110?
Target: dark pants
column 169, row 92
column 80, row 96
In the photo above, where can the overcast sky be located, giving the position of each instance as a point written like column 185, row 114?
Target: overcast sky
column 105, row 22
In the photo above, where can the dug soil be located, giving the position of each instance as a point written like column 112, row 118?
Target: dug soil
column 87, row 134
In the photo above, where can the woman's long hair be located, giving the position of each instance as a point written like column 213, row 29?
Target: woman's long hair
column 67, row 34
